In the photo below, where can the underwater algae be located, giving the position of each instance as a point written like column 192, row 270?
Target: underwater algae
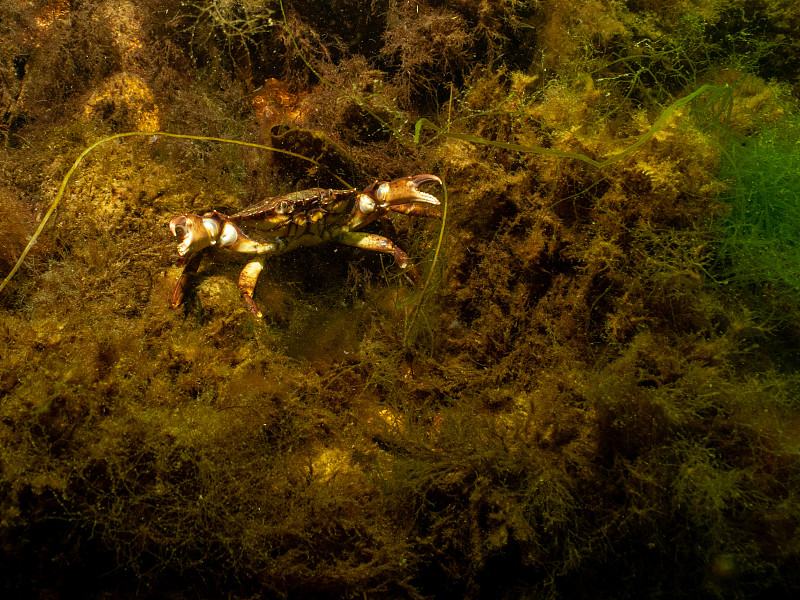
column 575, row 403
column 760, row 231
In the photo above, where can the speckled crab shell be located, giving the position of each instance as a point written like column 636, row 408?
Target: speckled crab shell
column 290, row 215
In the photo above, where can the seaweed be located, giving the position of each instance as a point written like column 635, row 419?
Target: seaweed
column 86, row 151
column 759, row 232
column 590, row 385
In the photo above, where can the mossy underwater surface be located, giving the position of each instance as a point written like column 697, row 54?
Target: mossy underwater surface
column 594, row 394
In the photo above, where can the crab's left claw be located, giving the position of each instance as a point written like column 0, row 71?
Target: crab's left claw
column 404, row 190
column 194, row 232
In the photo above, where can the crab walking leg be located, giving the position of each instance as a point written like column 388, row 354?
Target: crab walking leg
column 416, row 210
column 189, row 271
column 378, row 243
column 247, row 283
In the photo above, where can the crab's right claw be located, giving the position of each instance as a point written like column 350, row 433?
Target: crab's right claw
column 404, row 190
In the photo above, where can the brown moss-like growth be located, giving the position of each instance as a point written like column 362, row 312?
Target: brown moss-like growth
column 572, row 402
column 14, row 229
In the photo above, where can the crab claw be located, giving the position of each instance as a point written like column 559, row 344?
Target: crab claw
column 193, row 232
column 402, row 191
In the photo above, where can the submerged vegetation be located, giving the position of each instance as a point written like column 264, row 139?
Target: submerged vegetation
column 594, row 394
column 758, row 238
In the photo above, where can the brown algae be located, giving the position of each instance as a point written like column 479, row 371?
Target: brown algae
column 589, row 393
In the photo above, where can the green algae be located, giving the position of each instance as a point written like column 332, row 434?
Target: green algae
column 759, row 234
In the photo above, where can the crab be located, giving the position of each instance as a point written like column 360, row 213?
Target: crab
column 305, row 218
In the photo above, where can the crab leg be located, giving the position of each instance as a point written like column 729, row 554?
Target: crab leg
column 378, row 243
column 189, row 270
column 375, row 242
column 247, row 283
column 416, row 210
